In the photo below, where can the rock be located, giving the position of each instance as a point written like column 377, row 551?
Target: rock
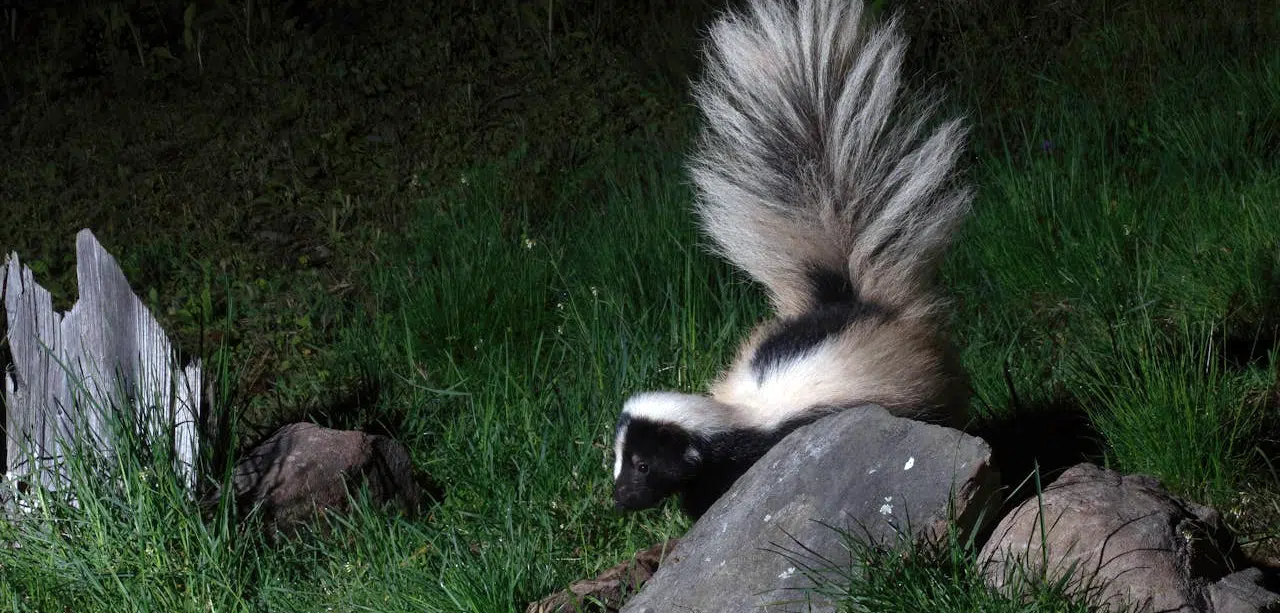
column 1127, row 539
column 862, row 470
column 606, row 592
column 1244, row 592
column 304, row 469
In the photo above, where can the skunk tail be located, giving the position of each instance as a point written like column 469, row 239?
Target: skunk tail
column 812, row 173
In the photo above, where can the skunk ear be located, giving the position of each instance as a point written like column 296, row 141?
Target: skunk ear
column 692, row 455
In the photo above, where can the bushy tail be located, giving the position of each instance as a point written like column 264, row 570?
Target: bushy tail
column 811, row 167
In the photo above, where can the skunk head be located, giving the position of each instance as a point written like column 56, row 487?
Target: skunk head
column 658, row 445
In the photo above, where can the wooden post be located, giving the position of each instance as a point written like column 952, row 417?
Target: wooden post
column 70, row 370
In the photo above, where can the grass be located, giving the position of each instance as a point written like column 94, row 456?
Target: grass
column 939, row 576
column 483, row 248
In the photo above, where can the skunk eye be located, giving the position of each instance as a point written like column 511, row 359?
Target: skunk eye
column 643, row 467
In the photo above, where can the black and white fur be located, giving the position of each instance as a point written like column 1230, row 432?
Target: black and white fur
column 815, row 176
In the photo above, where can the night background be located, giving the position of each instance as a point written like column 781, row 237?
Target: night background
column 466, row 225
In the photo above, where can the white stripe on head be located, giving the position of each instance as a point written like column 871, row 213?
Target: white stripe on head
column 698, row 414
column 618, row 452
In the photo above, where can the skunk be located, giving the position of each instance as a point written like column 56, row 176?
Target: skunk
column 816, row 177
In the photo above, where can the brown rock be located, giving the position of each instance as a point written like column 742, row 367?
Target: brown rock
column 1125, row 540
column 607, row 592
column 1245, row 592
column 303, row 469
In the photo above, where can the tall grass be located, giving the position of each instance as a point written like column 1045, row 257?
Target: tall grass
column 1122, row 260
column 121, row 530
column 1170, row 406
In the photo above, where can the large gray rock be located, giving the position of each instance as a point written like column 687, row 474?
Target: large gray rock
column 303, row 469
column 1124, row 539
column 864, row 471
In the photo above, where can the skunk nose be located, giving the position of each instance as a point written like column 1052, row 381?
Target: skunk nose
column 623, row 499
column 618, row 497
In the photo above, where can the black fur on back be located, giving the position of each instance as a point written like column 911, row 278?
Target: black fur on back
column 837, row 306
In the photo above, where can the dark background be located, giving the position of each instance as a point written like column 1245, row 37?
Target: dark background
column 247, row 162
